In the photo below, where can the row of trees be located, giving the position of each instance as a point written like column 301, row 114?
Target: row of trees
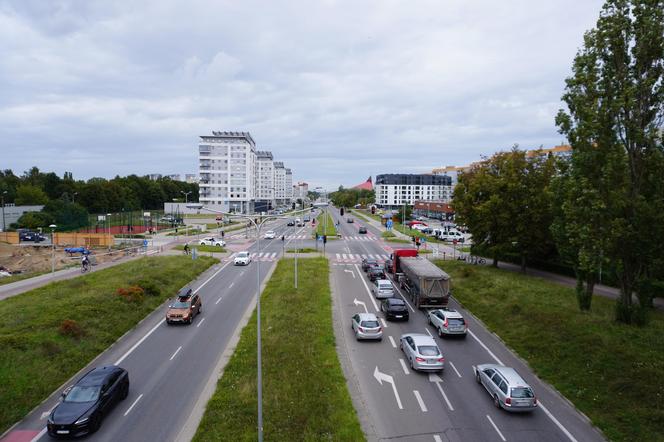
column 604, row 206
column 351, row 197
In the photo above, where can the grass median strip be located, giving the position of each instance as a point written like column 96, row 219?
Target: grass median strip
column 610, row 371
column 201, row 248
column 320, row 225
column 50, row 333
column 304, row 389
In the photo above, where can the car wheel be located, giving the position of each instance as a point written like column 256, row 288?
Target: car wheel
column 477, row 377
column 168, row 322
column 96, row 423
column 430, row 323
column 496, row 401
column 440, row 332
column 412, row 366
column 125, row 392
column 191, row 319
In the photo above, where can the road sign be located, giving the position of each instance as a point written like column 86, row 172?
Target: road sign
column 145, row 243
column 423, row 239
column 389, row 223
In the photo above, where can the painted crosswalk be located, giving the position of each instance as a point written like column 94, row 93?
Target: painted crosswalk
column 359, row 238
column 355, row 257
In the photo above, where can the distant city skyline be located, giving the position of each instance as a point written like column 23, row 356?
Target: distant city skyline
column 88, row 88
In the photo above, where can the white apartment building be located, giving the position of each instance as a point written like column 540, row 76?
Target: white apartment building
column 288, row 186
column 395, row 190
column 300, row 191
column 279, row 183
column 227, row 167
column 265, row 188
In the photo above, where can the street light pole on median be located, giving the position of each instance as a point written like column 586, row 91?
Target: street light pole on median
column 52, row 226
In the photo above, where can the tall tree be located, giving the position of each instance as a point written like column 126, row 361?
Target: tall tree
column 615, row 101
column 28, row 194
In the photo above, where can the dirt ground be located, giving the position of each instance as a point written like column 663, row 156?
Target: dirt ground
column 24, row 259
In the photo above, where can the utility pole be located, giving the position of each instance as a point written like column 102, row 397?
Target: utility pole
column 2, row 195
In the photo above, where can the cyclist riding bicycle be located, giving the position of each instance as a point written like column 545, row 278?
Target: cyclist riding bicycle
column 85, row 262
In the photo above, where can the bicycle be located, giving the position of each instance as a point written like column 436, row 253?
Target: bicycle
column 85, row 267
column 477, row 260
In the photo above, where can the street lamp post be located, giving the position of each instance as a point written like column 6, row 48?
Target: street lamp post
column 186, row 196
column 52, row 226
column 2, row 196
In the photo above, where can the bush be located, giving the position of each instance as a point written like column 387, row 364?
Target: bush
column 70, row 328
column 150, row 288
column 132, row 293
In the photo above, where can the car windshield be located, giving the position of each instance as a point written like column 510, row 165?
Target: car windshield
column 82, row 394
column 242, row 255
column 370, row 324
column 428, row 350
column 180, row 304
column 522, row 392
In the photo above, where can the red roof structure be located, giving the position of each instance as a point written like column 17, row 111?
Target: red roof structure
column 367, row 185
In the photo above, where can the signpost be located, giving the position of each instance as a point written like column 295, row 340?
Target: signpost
column 389, row 224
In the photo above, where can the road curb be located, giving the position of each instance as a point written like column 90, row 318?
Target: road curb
column 352, row 382
column 193, row 421
column 546, row 384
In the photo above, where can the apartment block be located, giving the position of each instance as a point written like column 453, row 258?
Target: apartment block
column 265, row 188
column 395, row 190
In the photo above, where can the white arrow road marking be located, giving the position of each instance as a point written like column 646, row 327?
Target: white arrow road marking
column 356, row 302
column 455, row 369
column 394, row 344
column 132, row 405
column 423, row 407
column 366, row 287
column 496, row 428
column 45, row 414
column 380, row 377
column 351, row 272
column 437, row 380
column 403, row 365
column 437, row 438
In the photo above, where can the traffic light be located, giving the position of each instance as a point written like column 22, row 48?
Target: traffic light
column 373, row 210
column 324, row 239
column 412, row 238
column 341, row 211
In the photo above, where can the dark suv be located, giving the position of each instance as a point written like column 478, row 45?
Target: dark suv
column 362, row 230
column 367, row 263
column 375, row 273
column 186, row 306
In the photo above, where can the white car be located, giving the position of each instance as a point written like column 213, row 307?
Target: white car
column 422, row 352
column 212, row 242
column 242, row 259
column 270, row 234
column 448, row 322
column 383, row 289
column 366, row 326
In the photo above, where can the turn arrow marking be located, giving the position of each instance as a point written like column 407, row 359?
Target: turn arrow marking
column 356, row 302
column 437, row 380
column 380, row 377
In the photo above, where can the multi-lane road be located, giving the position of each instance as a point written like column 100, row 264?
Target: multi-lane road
column 397, row 403
column 173, row 369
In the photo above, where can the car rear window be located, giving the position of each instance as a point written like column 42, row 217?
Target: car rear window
column 370, row 324
column 397, row 301
column 428, row 350
column 522, row 392
column 457, row 321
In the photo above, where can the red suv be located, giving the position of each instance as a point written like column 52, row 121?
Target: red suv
column 186, row 306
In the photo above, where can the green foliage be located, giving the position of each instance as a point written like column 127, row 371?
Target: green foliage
column 350, row 197
column 613, row 196
column 62, row 213
column 29, row 195
column 304, row 387
column 35, row 336
column 598, row 364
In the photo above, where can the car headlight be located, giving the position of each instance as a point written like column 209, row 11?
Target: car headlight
column 81, row 421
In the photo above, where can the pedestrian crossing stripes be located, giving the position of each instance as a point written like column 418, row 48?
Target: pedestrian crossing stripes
column 354, row 257
column 361, row 238
column 263, row 256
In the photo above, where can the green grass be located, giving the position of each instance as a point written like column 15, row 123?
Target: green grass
column 610, row 371
column 360, row 215
column 21, row 276
column 186, row 232
column 302, row 250
column 202, row 248
column 305, row 397
column 320, row 225
column 399, row 240
column 388, row 234
column 36, row 359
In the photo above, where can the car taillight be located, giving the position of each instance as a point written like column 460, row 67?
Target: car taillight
column 380, row 328
column 535, row 400
column 419, row 359
column 361, row 329
column 508, row 401
column 445, row 323
column 441, row 359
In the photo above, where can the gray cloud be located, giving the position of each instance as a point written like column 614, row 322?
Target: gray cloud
column 338, row 90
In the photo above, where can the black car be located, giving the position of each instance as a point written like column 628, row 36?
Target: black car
column 388, row 265
column 290, row 223
column 368, row 263
column 375, row 273
column 85, row 403
column 362, row 230
column 350, row 220
column 394, row 308
column 31, row 236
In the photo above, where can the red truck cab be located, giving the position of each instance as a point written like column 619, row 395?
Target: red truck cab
column 392, row 265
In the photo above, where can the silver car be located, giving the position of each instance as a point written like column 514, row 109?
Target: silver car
column 422, row 352
column 448, row 322
column 508, row 390
column 383, row 289
column 366, row 326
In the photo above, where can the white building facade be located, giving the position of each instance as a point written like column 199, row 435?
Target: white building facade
column 395, row 190
column 227, row 167
column 288, row 186
column 279, row 183
column 265, row 188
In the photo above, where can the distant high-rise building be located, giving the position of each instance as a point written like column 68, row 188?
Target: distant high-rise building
column 154, row 176
column 288, row 186
column 395, row 190
column 279, row 183
column 173, row 177
column 191, row 178
column 265, row 189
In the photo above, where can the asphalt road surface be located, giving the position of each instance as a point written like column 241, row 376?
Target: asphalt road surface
column 400, row 403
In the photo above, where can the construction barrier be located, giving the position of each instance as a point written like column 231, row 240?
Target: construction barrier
column 83, row 239
column 9, row 237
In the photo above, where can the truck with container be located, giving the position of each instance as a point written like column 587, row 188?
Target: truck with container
column 425, row 284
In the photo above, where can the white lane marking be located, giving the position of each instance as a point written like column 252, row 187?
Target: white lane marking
column 546, row 411
column 366, row 287
column 343, row 256
column 176, row 352
column 132, row 405
column 384, row 323
column 455, row 369
column 394, row 344
column 364, row 256
column 437, row 380
column 231, row 286
column 485, row 347
column 556, row 421
column 403, row 366
column 420, row 401
column 39, row 435
column 356, row 302
column 351, row 272
column 200, row 322
column 218, row 300
column 140, row 341
column 380, row 377
column 427, row 330
column 496, row 428
column 372, row 257
column 338, row 256
column 437, row 438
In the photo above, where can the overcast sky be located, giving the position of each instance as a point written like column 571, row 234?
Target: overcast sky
column 338, row 90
